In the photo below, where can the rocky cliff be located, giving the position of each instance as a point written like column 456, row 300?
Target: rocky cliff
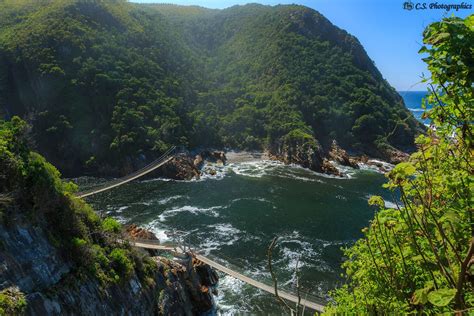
column 53, row 285
column 58, row 257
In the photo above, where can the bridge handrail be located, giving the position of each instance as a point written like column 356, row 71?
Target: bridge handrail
column 305, row 295
column 124, row 179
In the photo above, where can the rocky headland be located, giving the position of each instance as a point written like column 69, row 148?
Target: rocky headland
column 327, row 162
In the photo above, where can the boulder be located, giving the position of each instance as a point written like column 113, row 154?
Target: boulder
column 329, row 168
column 135, row 232
column 181, row 167
column 214, row 156
column 294, row 152
column 395, row 156
column 198, row 161
column 191, row 281
column 339, row 155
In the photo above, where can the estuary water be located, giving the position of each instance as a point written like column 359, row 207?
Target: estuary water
column 235, row 214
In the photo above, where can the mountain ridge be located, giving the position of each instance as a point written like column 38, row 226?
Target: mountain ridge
column 127, row 81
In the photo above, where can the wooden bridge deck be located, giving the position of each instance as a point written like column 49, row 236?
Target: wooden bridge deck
column 290, row 297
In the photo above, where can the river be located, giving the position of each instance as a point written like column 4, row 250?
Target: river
column 236, row 213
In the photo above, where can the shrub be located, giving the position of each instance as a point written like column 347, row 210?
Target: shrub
column 121, row 262
column 111, row 225
column 12, row 302
column 417, row 257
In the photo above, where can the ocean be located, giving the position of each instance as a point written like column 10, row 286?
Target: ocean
column 413, row 101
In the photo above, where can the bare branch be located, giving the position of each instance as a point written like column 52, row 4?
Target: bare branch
column 275, row 282
column 298, row 287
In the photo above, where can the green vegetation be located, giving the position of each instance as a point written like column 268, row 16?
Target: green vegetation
column 418, row 258
column 36, row 194
column 107, row 85
column 12, row 302
column 111, row 225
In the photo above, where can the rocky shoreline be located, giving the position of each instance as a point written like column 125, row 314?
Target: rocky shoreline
column 188, row 165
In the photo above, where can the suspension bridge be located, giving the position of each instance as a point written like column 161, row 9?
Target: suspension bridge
column 165, row 158
column 307, row 300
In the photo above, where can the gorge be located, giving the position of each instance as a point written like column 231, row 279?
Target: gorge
column 105, row 87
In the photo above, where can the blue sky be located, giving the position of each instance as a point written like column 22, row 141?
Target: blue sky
column 391, row 35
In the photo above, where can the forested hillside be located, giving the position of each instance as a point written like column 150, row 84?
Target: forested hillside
column 110, row 85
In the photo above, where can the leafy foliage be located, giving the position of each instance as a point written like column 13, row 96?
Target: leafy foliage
column 417, row 258
column 38, row 195
column 12, row 302
column 110, row 84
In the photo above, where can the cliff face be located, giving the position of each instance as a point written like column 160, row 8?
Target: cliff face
column 58, row 257
column 51, row 285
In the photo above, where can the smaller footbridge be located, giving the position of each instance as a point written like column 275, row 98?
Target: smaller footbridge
column 310, row 301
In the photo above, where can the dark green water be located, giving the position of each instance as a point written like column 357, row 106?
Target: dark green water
column 235, row 215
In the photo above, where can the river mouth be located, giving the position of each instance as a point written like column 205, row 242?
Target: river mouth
column 234, row 214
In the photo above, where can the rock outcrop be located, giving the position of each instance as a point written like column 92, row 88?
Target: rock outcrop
column 135, row 232
column 302, row 154
column 182, row 167
column 395, row 156
column 328, row 168
column 217, row 157
column 30, row 263
column 186, row 166
column 312, row 157
column 340, row 156
column 192, row 283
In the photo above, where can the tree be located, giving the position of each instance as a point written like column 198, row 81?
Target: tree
column 418, row 257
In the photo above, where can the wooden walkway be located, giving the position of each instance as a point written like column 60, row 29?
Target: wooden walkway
column 290, row 297
column 166, row 157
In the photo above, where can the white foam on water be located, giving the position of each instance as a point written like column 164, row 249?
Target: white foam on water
column 219, row 235
column 170, row 199
column 120, row 219
column 254, row 169
column 212, row 211
column 295, row 250
column 301, row 178
column 160, row 231
column 143, row 203
column 118, row 210
column 416, row 110
column 263, row 200
column 157, row 179
column 235, row 287
column 224, row 229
